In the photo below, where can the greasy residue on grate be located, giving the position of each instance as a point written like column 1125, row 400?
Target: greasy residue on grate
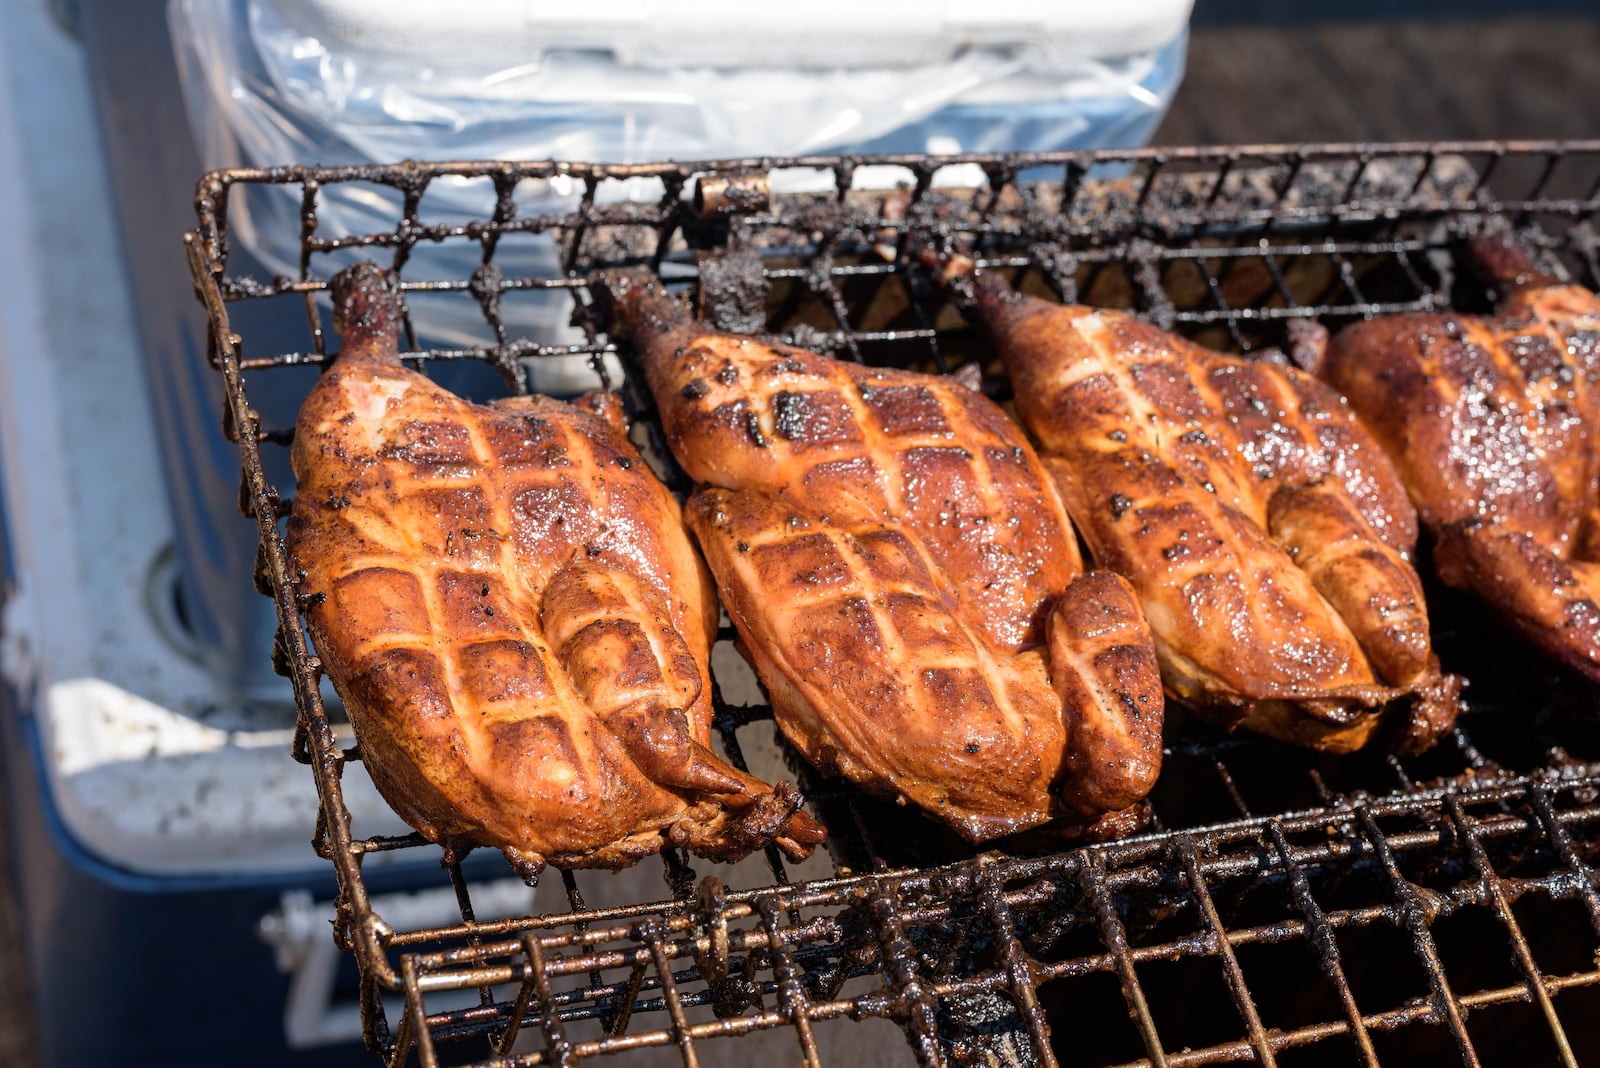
column 1283, row 905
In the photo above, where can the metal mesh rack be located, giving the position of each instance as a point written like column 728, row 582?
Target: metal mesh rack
column 1282, row 906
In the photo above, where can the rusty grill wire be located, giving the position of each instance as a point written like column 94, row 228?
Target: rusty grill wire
column 1282, row 906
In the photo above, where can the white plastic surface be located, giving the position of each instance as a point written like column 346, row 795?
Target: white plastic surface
column 272, row 82
column 732, row 33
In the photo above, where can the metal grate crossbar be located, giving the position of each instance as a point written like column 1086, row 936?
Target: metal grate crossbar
column 1281, row 907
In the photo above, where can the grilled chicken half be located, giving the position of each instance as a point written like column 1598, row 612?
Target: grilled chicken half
column 904, row 579
column 1267, row 536
column 1494, row 423
column 508, row 602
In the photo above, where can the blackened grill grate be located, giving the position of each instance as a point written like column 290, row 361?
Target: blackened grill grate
column 1284, row 906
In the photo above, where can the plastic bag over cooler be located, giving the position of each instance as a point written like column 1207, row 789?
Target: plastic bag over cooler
column 356, row 81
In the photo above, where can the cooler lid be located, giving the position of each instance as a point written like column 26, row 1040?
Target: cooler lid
column 494, row 34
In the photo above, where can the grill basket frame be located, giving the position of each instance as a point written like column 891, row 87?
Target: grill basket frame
column 981, row 957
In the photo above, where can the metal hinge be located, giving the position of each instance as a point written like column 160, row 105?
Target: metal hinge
column 300, row 933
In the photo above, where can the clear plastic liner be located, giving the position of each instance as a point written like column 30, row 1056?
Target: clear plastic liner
column 273, row 82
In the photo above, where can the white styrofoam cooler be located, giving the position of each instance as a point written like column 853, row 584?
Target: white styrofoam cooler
column 273, row 82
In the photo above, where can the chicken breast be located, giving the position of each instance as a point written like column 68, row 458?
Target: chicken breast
column 508, row 603
column 904, row 579
column 1267, row 537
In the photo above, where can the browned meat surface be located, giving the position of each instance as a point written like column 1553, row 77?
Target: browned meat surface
column 1266, row 535
column 1493, row 423
column 507, row 601
column 904, row 579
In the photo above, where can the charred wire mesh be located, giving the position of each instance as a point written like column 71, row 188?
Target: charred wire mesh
column 1283, row 906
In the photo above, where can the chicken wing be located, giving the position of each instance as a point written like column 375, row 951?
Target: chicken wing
column 1265, row 533
column 903, row 578
column 1494, row 424
column 508, row 603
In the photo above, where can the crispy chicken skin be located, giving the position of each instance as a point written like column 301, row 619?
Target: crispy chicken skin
column 904, row 579
column 1266, row 535
column 1494, row 424
column 507, row 601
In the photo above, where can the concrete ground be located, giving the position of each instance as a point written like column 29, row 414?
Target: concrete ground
column 1522, row 77
column 1411, row 79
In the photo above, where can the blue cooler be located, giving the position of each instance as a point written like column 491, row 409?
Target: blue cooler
column 172, row 909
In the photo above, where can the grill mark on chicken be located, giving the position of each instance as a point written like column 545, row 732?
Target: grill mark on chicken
column 1201, row 557
column 895, row 472
column 481, row 739
column 932, row 426
column 437, row 595
column 507, row 670
column 905, row 409
column 887, row 623
column 859, row 596
column 871, row 634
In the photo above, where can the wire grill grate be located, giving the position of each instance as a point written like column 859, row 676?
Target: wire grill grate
column 1283, row 906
